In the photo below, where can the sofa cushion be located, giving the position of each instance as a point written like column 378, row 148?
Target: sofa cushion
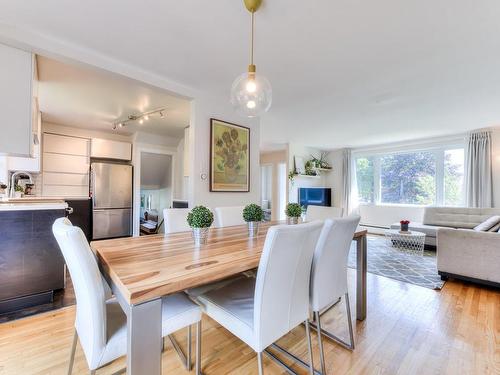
column 457, row 217
column 496, row 228
column 487, row 224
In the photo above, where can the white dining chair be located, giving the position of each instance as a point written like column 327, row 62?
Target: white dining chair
column 322, row 213
column 229, row 216
column 260, row 311
column 175, row 220
column 101, row 324
column 329, row 276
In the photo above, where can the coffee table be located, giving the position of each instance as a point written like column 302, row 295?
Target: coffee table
column 411, row 241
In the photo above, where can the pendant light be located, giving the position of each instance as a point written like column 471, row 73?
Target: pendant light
column 251, row 93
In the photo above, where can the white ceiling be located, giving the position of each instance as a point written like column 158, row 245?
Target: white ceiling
column 344, row 72
column 94, row 99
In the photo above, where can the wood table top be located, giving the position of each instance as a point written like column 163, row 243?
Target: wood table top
column 149, row 267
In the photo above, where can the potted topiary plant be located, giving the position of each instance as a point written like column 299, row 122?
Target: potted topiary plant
column 253, row 215
column 200, row 219
column 293, row 212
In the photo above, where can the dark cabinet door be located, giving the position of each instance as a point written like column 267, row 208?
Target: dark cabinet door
column 81, row 216
column 30, row 259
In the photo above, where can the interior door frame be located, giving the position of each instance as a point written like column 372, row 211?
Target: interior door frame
column 138, row 150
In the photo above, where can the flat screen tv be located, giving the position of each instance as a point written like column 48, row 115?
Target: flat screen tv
column 315, row 197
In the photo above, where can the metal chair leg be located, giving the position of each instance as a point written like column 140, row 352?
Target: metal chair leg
column 198, row 349
column 73, row 350
column 338, row 340
column 349, row 319
column 259, row 361
column 189, row 365
column 320, row 342
column 309, row 347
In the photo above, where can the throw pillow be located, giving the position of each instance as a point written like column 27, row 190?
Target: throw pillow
column 487, row 224
column 496, row 228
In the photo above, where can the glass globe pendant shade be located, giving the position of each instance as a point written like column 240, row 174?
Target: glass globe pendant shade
column 251, row 94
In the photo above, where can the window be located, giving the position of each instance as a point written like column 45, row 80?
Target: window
column 364, row 176
column 420, row 177
column 454, row 177
column 408, row 178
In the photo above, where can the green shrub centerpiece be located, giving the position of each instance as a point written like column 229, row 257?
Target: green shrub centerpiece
column 253, row 212
column 200, row 219
column 293, row 212
column 253, row 215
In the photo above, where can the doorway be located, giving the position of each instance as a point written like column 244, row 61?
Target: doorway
column 156, row 191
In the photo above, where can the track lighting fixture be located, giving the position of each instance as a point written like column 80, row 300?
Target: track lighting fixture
column 139, row 117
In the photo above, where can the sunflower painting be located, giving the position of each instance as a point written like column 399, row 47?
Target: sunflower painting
column 229, row 157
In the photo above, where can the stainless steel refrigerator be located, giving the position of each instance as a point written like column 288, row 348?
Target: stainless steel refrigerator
column 111, row 189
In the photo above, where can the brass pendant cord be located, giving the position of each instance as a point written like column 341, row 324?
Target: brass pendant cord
column 252, row 38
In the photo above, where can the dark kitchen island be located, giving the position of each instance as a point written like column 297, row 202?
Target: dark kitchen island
column 31, row 264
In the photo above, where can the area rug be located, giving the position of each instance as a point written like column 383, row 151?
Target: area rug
column 385, row 260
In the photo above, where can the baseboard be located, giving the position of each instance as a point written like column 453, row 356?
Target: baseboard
column 469, row 279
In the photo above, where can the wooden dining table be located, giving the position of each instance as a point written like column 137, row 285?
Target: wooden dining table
column 142, row 270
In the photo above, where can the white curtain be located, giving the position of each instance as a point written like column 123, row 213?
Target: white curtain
column 350, row 184
column 478, row 180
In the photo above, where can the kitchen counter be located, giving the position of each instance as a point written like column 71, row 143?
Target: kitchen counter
column 32, row 203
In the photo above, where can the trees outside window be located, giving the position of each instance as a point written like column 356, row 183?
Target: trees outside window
column 427, row 177
column 408, row 178
column 364, row 176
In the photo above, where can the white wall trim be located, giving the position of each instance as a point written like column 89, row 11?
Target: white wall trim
column 75, row 54
column 414, row 145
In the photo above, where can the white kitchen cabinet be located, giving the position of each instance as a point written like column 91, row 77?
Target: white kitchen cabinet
column 65, row 191
column 66, row 163
column 16, row 101
column 61, row 144
column 63, row 163
column 108, row 149
column 67, row 179
column 33, row 163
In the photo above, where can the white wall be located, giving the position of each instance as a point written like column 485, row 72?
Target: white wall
column 331, row 179
column 203, row 108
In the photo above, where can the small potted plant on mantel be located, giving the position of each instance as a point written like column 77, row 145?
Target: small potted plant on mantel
column 293, row 212
column 253, row 215
column 200, row 219
column 404, row 225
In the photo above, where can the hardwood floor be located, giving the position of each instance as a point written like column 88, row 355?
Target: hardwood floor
column 409, row 330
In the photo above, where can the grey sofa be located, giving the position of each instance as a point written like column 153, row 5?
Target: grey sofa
column 449, row 217
column 461, row 251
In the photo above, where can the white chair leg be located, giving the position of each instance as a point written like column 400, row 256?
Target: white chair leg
column 349, row 319
column 309, row 347
column 73, row 350
column 198, row 349
column 189, row 366
column 320, row 342
column 260, row 364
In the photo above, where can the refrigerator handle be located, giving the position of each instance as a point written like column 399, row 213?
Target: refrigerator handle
column 92, row 186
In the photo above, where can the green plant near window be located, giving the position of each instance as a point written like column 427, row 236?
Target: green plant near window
column 200, row 217
column 253, row 212
column 19, row 189
column 293, row 210
column 291, row 177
